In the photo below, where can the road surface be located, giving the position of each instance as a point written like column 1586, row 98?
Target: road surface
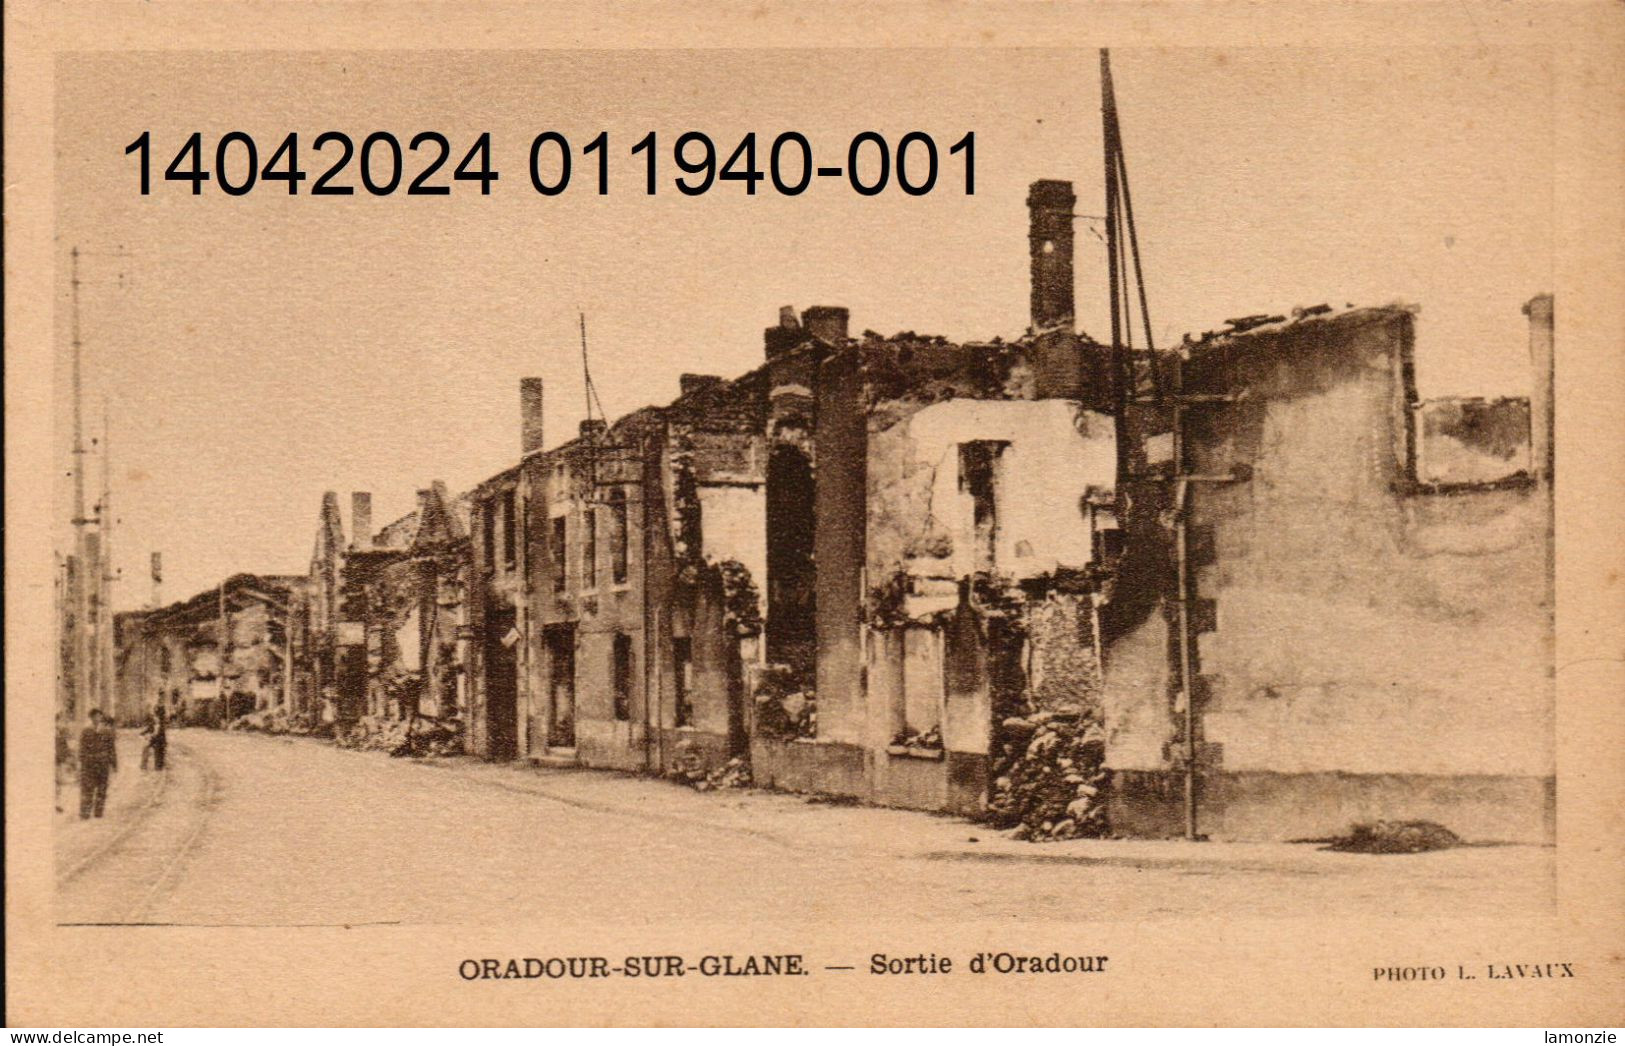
column 246, row 829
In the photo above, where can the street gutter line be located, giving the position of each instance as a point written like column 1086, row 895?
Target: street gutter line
column 137, row 819
column 206, row 798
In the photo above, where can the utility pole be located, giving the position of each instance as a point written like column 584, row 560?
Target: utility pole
column 220, row 651
column 287, row 657
column 80, row 640
column 1122, row 251
column 60, row 591
column 104, row 620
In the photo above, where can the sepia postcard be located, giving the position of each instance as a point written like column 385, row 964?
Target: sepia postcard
column 779, row 514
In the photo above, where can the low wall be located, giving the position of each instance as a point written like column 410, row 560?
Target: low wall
column 809, row 766
column 1264, row 806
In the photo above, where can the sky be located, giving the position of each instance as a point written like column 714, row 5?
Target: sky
column 255, row 351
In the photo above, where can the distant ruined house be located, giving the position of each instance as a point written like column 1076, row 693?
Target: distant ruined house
column 222, row 653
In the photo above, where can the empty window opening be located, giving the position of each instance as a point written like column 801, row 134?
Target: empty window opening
column 488, row 528
column 682, row 649
column 617, row 535
column 790, row 575
column 978, row 475
column 621, row 674
column 922, row 699
column 589, row 549
column 510, row 528
column 556, row 553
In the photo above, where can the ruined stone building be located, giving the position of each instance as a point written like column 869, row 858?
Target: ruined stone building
column 834, row 566
column 405, row 586
column 603, row 577
column 175, row 655
column 1258, row 588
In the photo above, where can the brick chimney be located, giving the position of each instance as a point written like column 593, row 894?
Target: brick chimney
column 360, row 520
column 530, row 415
column 826, row 322
column 786, row 335
column 1049, row 235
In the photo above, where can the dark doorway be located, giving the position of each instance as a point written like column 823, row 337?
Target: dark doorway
column 790, row 577
column 501, row 684
column 561, row 684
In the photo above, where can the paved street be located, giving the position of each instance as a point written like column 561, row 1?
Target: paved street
column 250, row 829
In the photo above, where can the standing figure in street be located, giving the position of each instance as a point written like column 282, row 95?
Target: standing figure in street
column 156, row 732
column 98, row 758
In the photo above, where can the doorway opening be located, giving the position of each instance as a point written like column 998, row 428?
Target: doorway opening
column 501, row 684
column 561, row 685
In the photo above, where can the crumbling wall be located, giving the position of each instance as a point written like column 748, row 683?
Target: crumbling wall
column 1472, row 440
column 1063, row 673
column 921, row 518
column 838, row 546
column 1350, row 623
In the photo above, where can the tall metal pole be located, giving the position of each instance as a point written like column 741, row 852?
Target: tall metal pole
column 60, row 590
column 81, row 593
column 1187, row 660
column 1119, row 212
column 104, row 618
column 1108, row 124
column 287, row 655
column 220, row 653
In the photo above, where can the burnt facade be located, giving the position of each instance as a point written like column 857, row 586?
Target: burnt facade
column 1264, row 595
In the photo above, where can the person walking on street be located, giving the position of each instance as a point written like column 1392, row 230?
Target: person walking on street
column 98, row 759
column 157, row 733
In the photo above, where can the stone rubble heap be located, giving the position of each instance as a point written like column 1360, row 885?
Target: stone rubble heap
column 1395, row 837
column 274, row 721
column 419, row 736
column 1049, row 782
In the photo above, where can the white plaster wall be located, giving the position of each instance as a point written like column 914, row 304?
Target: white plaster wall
column 733, row 525
column 1056, row 452
column 408, row 640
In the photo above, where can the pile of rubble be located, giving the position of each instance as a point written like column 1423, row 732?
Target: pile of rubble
column 929, row 739
column 268, row 722
column 275, row 721
column 418, row 736
column 1395, row 837
column 735, row 773
column 786, row 705
column 1048, row 779
column 690, row 766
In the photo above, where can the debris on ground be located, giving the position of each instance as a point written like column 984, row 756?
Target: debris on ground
column 1048, row 779
column 931, row 738
column 687, row 763
column 417, row 736
column 1395, row 837
column 735, row 773
column 690, row 767
column 275, row 721
column 786, row 705
column 833, row 799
